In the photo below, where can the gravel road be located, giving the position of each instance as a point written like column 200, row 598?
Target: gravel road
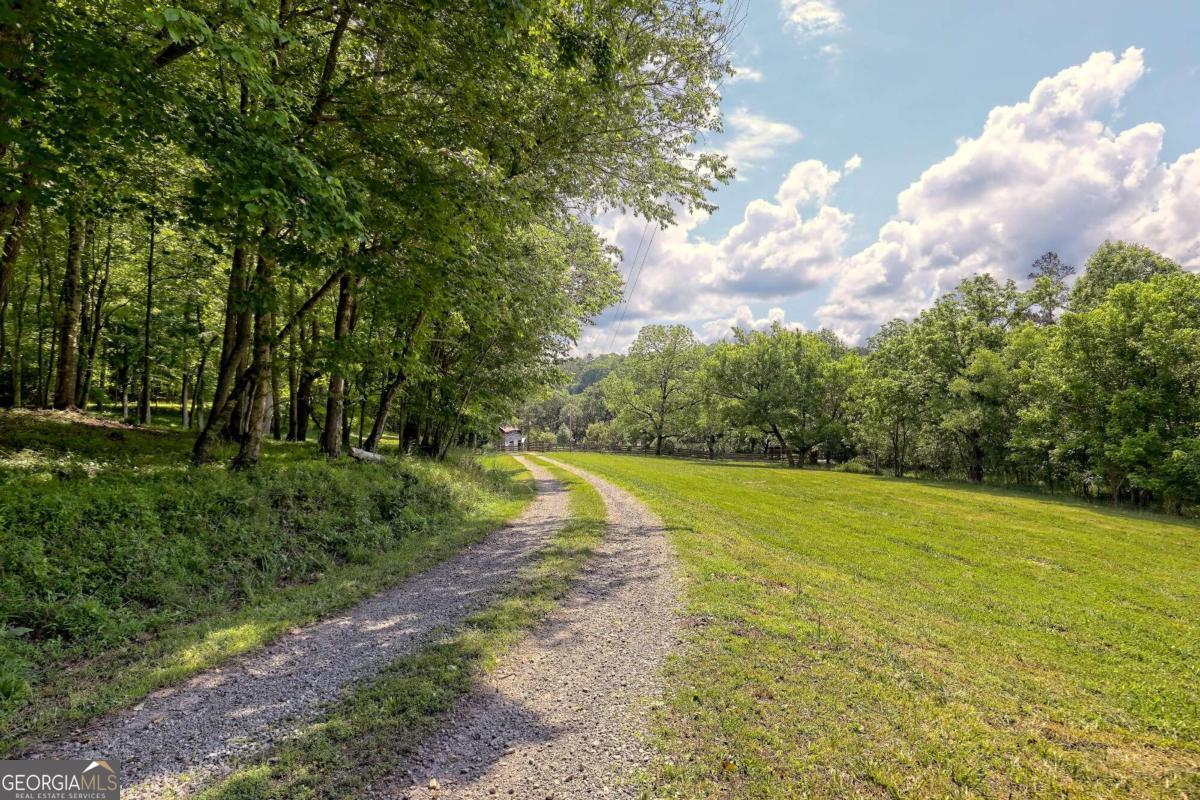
column 195, row 731
column 563, row 714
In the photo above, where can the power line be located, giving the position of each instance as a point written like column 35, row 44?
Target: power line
column 637, row 253
column 633, row 287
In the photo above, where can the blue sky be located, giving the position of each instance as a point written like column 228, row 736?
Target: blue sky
column 1020, row 127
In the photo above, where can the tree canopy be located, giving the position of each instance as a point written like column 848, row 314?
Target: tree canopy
column 286, row 214
column 1063, row 388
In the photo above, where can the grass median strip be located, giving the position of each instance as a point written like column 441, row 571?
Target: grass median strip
column 363, row 736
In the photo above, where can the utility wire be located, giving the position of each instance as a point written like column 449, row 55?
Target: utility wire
column 621, row 304
column 636, row 277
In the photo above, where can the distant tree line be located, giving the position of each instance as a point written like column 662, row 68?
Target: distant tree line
column 1092, row 388
column 339, row 219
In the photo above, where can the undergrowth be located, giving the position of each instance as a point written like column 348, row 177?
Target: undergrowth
column 117, row 561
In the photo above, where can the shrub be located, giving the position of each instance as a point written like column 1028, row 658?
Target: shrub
column 90, row 558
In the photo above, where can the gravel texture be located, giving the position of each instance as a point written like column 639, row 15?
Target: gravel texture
column 197, row 730
column 564, row 713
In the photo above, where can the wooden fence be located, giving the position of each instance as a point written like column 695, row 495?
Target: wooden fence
column 772, row 455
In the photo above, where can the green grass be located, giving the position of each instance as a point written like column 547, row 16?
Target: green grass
column 364, row 737
column 854, row 636
column 122, row 570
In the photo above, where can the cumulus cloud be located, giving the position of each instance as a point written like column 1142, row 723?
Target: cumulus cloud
column 781, row 246
column 1052, row 172
column 743, row 318
column 745, row 74
column 812, row 17
column 1046, row 173
column 756, row 138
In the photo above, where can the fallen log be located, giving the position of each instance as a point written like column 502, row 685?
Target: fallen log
column 365, row 455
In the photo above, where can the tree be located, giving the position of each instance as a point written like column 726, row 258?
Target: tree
column 1130, row 383
column 958, row 341
column 889, row 399
column 1049, row 292
column 772, row 382
column 655, row 390
column 1113, row 264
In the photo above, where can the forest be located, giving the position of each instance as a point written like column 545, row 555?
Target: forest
column 342, row 221
column 1090, row 387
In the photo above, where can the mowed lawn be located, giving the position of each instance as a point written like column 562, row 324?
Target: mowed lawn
column 858, row 636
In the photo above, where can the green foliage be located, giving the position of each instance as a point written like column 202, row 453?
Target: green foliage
column 788, row 384
column 1128, row 377
column 656, row 389
column 367, row 206
column 989, row 383
column 1113, row 264
column 97, row 551
column 1099, row 399
column 889, row 399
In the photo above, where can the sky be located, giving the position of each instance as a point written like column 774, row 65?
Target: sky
column 887, row 150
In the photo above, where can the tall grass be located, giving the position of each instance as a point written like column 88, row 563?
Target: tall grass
column 107, row 539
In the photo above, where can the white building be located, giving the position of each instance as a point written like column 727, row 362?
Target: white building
column 511, row 438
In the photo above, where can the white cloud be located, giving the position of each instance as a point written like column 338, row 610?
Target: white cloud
column 1046, row 173
column 1053, row 172
column 743, row 318
column 745, row 74
column 812, row 17
column 756, row 138
column 805, row 182
column 781, row 246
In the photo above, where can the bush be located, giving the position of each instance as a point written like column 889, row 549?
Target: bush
column 541, row 437
column 90, row 558
column 856, row 466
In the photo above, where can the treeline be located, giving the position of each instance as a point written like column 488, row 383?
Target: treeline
column 342, row 219
column 1092, row 389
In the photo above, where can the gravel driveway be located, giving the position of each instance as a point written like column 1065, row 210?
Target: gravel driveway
column 195, row 731
column 563, row 714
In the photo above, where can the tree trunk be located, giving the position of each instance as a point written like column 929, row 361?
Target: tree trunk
column 393, row 386
column 72, row 307
column 18, row 336
column 260, row 397
column 783, row 445
column 144, row 399
column 293, row 370
column 975, row 469
column 245, row 379
column 198, row 391
column 276, row 420
column 234, row 341
column 41, row 336
column 14, row 219
column 331, row 434
column 97, row 325
column 261, row 367
column 184, row 420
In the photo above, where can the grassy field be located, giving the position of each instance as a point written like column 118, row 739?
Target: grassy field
column 854, row 636
column 123, row 570
column 364, row 737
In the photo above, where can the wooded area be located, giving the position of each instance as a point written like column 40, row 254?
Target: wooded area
column 288, row 218
column 1092, row 389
